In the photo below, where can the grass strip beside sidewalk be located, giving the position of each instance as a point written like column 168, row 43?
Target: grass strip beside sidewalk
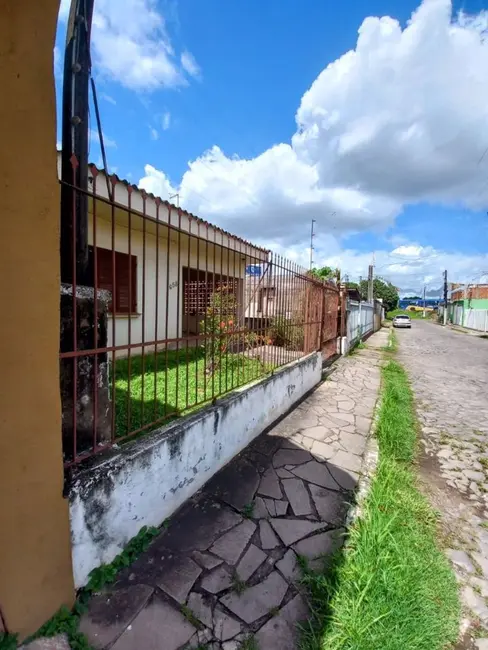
column 392, row 587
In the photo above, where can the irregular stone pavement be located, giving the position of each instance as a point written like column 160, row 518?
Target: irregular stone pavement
column 449, row 373
column 226, row 568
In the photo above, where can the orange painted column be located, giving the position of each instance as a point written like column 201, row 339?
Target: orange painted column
column 35, row 553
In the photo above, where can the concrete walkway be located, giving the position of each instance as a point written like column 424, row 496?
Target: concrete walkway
column 449, row 374
column 225, row 570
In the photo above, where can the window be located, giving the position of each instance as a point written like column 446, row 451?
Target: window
column 125, row 279
column 198, row 287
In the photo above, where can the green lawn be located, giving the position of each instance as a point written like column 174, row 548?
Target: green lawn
column 174, row 382
column 392, row 587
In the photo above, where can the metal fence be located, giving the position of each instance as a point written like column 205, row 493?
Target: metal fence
column 360, row 320
column 178, row 313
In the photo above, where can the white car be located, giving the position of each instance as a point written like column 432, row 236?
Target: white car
column 402, row 320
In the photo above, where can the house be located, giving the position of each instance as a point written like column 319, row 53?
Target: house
column 160, row 263
column 468, row 306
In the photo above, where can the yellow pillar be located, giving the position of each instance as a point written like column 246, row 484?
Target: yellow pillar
column 35, row 555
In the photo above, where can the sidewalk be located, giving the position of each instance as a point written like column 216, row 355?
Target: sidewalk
column 226, row 567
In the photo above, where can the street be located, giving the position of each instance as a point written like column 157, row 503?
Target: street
column 449, row 375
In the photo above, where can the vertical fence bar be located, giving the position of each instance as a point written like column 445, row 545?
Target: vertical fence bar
column 186, row 296
column 114, row 289
column 233, row 302
column 166, row 315
column 205, row 318
column 74, row 165
column 240, row 322
column 143, row 323
column 178, row 286
column 214, row 324
column 95, row 310
column 224, row 302
column 129, row 323
column 197, row 312
column 289, row 311
column 156, row 316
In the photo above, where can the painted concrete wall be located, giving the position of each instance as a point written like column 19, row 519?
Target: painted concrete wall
column 146, row 482
column 472, row 314
column 476, row 303
column 162, row 261
column 35, row 561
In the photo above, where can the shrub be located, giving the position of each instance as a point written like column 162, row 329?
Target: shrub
column 219, row 326
column 285, row 332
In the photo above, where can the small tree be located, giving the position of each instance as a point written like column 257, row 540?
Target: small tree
column 325, row 273
column 218, row 326
column 381, row 289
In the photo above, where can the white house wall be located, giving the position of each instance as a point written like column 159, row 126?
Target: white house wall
column 225, row 262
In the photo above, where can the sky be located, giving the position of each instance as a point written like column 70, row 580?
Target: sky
column 369, row 117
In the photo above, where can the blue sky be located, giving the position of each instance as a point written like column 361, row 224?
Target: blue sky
column 241, row 88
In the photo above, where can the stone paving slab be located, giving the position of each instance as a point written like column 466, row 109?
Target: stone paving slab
column 115, row 610
column 226, row 568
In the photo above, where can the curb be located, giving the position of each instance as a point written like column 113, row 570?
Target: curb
column 368, row 470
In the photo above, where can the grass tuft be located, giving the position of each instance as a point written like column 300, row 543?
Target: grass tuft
column 392, row 588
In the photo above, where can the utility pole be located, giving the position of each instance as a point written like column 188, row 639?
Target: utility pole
column 74, row 156
column 445, row 297
column 172, row 196
column 312, row 235
column 423, row 315
column 370, row 283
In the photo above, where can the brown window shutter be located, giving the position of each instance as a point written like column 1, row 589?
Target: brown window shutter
column 125, row 299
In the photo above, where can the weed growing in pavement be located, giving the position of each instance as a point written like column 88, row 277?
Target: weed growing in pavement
column 238, row 584
column 106, row 573
column 67, row 621
column 190, row 617
column 248, row 510
column 249, row 643
column 392, row 587
column 360, row 345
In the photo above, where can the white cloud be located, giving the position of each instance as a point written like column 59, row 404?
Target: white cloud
column 130, row 44
column 189, row 64
column 157, row 183
column 408, row 273
column 154, row 133
column 108, row 142
column 398, row 120
column 166, row 121
column 109, row 99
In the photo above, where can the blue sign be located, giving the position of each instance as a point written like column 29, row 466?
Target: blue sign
column 253, row 269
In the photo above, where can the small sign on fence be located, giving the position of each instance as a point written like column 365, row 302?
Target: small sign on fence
column 253, row 269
